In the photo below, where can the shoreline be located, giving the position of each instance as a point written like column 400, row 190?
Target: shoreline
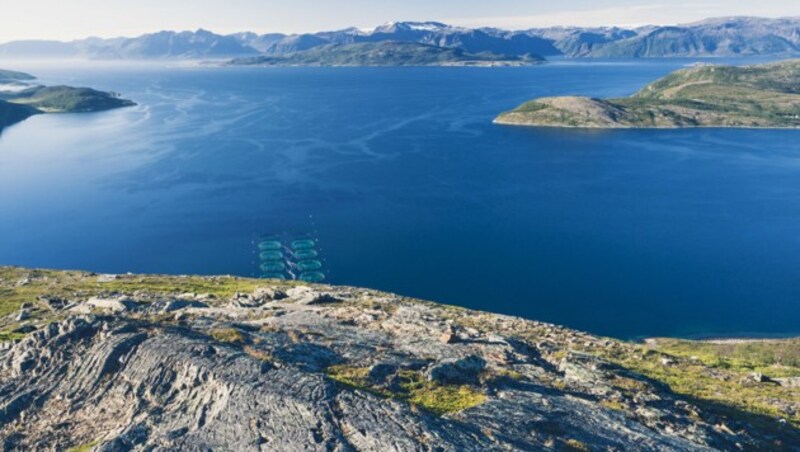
column 498, row 121
column 747, row 338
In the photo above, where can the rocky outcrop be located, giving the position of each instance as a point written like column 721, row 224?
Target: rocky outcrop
column 324, row 368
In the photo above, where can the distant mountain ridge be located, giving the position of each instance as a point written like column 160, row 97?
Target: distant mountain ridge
column 386, row 53
column 733, row 36
column 162, row 45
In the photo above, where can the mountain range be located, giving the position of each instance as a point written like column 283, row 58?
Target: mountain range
column 735, row 36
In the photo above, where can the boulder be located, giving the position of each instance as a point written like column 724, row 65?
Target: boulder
column 116, row 305
column 178, row 305
column 458, row 371
column 23, row 315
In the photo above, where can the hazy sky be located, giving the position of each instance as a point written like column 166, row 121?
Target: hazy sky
column 69, row 19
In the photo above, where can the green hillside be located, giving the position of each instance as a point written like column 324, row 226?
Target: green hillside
column 706, row 96
column 17, row 106
column 65, row 99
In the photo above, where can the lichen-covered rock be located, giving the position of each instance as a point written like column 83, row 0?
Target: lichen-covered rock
column 325, row 368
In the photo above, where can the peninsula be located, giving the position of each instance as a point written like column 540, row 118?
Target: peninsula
column 760, row 96
column 387, row 53
column 128, row 362
column 20, row 100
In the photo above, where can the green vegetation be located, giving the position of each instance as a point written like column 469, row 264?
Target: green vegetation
column 84, row 447
column 260, row 355
column 18, row 286
column 613, row 405
column 388, row 53
column 17, row 106
column 775, row 358
column 355, row 377
column 413, row 387
column 229, row 336
column 718, row 374
column 576, row 446
column 437, row 398
column 66, row 99
column 7, row 336
column 706, row 96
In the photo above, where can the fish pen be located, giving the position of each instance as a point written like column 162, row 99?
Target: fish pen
column 287, row 257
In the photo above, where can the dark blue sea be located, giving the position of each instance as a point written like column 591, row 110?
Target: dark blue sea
column 409, row 187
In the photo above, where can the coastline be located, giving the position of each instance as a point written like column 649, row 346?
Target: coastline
column 500, row 122
column 747, row 338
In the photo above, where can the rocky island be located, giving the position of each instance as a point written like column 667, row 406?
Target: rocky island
column 20, row 100
column 387, row 53
column 759, row 96
column 126, row 362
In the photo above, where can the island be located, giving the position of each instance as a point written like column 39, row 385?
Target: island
column 758, row 96
column 20, row 100
column 14, row 76
column 387, row 53
column 120, row 362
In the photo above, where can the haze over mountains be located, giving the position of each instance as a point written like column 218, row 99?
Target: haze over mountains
column 738, row 36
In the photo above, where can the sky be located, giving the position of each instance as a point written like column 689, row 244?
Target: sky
column 73, row 19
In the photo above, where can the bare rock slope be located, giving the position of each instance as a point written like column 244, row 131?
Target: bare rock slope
column 118, row 363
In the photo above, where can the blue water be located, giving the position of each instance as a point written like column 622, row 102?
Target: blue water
column 410, row 188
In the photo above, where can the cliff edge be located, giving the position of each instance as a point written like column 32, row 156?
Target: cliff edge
column 108, row 362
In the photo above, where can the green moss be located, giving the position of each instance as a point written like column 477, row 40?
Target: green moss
column 502, row 374
column 446, row 399
column 576, row 446
column 612, row 405
column 84, row 447
column 229, row 336
column 414, row 388
column 355, row 377
column 260, row 355
column 8, row 336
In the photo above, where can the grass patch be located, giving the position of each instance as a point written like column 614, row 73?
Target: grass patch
column 259, row 354
column 18, row 286
column 8, row 336
column 355, row 377
column 780, row 358
column 613, row 405
column 439, row 399
column 574, row 445
column 711, row 378
column 414, row 388
column 228, row 336
column 84, row 447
